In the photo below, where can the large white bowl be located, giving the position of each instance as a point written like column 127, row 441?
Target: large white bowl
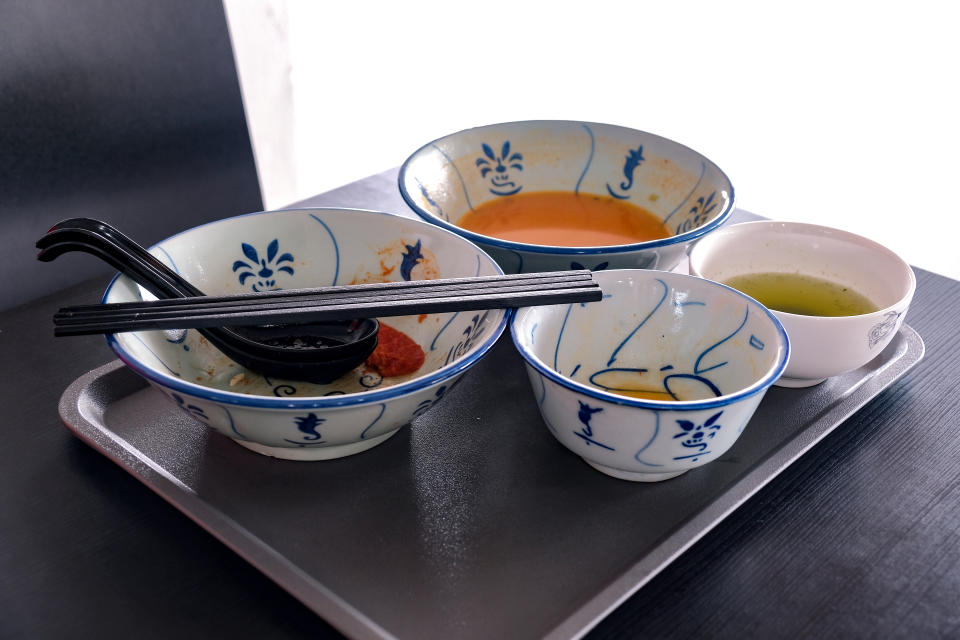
column 713, row 347
column 448, row 177
column 823, row 347
column 307, row 248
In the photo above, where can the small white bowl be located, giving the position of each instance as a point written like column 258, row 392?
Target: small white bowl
column 447, row 178
column 713, row 347
column 310, row 248
column 822, row 347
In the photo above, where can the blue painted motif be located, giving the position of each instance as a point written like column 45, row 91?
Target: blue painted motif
column 596, row 374
column 756, row 342
column 201, row 415
column 663, row 296
column 233, row 426
column 712, row 388
column 308, row 426
column 192, row 409
column 697, row 368
column 433, row 343
column 498, row 166
column 336, row 249
column 411, row 258
column 653, row 437
column 703, row 171
column 426, row 196
column 173, row 265
column 563, row 326
column 463, row 184
column 585, row 415
column 696, row 436
column 262, row 269
column 177, row 336
column 880, row 330
column 424, row 406
column 634, row 159
column 471, row 333
column 371, row 379
column 282, row 390
column 699, row 213
column 363, row 434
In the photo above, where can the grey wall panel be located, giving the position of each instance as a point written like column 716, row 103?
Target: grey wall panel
column 129, row 111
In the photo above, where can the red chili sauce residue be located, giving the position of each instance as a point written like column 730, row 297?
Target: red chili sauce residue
column 396, row 353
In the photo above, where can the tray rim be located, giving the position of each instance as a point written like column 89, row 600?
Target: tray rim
column 79, row 413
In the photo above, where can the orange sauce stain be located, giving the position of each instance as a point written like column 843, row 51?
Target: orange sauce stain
column 396, row 353
column 564, row 218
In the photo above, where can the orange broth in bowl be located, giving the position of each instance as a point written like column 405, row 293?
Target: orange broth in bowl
column 564, row 219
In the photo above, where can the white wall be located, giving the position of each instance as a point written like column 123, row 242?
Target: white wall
column 837, row 113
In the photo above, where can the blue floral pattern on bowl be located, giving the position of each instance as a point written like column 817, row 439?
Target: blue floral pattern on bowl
column 496, row 167
column 262, row 269
column 634, row 159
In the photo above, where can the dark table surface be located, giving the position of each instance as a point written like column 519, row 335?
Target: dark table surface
column 858, row 538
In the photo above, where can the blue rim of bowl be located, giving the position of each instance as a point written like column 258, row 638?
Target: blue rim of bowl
column 688, row 405
column 508, row 245
column 308, row 402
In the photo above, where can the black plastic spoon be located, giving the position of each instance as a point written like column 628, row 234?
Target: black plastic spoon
column 319, row 352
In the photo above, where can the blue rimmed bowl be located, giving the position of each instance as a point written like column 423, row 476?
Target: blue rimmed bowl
column 310, row 248
column 447, row 178
column 695, row 357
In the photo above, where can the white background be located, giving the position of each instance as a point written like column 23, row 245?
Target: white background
column 842, row 114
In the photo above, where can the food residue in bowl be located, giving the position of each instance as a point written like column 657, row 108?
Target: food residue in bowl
column 802, row 294
column 564, row 218
column 665, row 385
column 396, row 353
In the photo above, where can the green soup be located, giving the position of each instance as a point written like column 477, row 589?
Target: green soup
column 801, row 294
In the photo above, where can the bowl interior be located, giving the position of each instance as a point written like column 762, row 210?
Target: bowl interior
column 450, row 176
column 779, row 247
column 658, row 336
column 308, row 248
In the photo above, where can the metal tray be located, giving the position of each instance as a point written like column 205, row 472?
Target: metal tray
column 471, row 523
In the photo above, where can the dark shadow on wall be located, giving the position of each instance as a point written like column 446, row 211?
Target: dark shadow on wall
column 129, row 111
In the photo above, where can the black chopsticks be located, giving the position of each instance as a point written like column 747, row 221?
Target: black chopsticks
column 299, row 306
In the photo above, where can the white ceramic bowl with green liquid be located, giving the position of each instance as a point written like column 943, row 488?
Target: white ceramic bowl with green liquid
column 821, row 346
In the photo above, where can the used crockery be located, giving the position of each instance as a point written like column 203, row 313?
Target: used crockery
column 310, row 248
column 448, row 177
column 822, row 347
column 695, row 356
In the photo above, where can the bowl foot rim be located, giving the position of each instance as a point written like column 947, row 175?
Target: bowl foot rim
column 635, row 476
column 797, row 383
column 316, row 453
